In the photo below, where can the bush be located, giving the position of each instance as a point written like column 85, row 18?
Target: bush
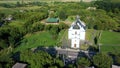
column 37, row 27
column 48, row 27
column 117, row 59
column 63, row 26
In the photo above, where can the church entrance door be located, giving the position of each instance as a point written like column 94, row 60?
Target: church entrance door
column 75, row 45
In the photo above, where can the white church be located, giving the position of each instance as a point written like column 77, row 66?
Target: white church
column 76, row 33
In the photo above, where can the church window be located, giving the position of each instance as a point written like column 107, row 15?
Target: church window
column 75, row 32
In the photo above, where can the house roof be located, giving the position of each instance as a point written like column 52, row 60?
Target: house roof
column 52, row 20
column 19, row 65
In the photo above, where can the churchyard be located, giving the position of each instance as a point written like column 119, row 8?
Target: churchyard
column 24, row 26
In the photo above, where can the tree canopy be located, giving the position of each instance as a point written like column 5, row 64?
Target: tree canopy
column 102, row 60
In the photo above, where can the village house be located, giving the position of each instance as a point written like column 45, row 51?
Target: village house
column 19, row 65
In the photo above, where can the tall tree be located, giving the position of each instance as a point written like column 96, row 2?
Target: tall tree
column 102, row 61
column 40, row 59
column 62, row 14
column 83, row 62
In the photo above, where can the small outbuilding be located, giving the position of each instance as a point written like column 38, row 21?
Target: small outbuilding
column 20, row 65
column 52, row 20
column 115, row 66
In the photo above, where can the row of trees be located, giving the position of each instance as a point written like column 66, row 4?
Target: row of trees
column 100, row 60
column 99, row 19
column 108, row 5
column 6, row 60
column 53, row 29
column 112, row 7
column 22, row 4
column 9, row 36
column 40, row 59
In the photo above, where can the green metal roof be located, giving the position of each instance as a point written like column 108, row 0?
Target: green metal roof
column 52, row 20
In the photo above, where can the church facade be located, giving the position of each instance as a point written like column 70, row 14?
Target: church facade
column 76, row 33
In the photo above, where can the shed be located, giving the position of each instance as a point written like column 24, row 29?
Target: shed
column 115, row 66
column 52, row 20
column 19, row 65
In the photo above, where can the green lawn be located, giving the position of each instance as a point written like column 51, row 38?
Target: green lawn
column 39, row 39
column 110, row 48
column 89, row 33
column 110, row 38
column 110, row 41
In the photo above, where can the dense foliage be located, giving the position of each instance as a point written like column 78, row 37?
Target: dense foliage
column 40, row 59
column 102, row 61
column 98, row 15
column 5, row 58
column 83, row 62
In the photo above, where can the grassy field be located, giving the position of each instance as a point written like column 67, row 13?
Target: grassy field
column 89, row 33
column 39, row 39
column 110, row 38
column 110, row 48
column 110, row 41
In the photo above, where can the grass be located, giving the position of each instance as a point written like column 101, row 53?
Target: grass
column 38, row 39
column 7, row 10
column 61, row 35
column 110, row 38
column 108, row 48
column 110, row 41
column 89, row 34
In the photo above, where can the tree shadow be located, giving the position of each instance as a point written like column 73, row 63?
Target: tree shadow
column 82, row 54
column 50, row 50
column 113, row 56
column 16, row 56
column 92, row 50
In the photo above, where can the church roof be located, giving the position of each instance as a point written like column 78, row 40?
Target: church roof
column 80, row 23
column 76, row 26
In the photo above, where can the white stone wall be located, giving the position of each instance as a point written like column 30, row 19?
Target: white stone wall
column 75, row 43
column 73, row 34
column 82, row 36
